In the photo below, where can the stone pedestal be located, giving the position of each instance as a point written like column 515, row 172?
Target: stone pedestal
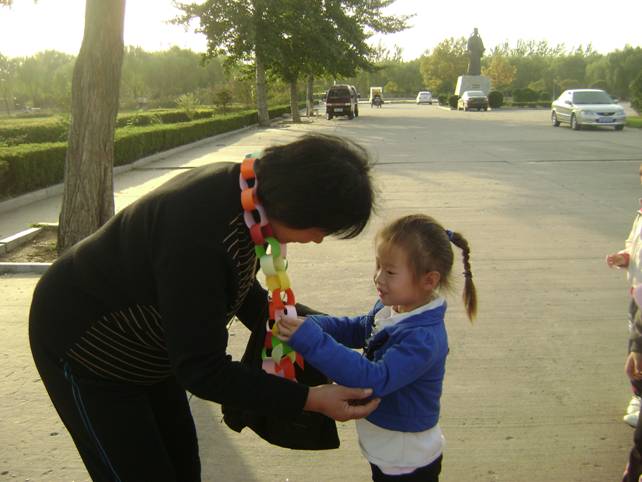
column 472, row 82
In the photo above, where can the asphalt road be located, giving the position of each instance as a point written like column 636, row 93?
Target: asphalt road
column 534, row 389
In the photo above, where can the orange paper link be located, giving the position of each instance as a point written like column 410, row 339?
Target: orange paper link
column 247, row 168
column 247, row 200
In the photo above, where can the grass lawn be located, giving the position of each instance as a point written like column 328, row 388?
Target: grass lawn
column 634, row 121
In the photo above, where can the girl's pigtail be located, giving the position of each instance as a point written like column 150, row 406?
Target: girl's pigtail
column 470, row 293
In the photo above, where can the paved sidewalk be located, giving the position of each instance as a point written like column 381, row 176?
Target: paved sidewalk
column 534, row 389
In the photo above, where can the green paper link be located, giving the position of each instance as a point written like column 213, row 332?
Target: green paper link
column 287, row 349
column 259, row 251
column 275, row 246
column 277, row 354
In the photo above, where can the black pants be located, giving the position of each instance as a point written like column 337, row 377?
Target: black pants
column 123, row 432
column 427, row 473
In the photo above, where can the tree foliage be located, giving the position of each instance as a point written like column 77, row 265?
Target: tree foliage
column 444, row 64
column 500, row 71
column 636, row 93
column 291, row 38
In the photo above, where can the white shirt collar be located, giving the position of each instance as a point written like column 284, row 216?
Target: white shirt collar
column 386, row 316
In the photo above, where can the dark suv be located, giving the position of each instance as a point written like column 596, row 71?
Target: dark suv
column 342, row 100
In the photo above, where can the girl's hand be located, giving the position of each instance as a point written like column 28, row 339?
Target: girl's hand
column 633, row 366
column 287, row 327
column 617, row 260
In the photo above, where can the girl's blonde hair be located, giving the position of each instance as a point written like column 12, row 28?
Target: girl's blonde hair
column 428, row 247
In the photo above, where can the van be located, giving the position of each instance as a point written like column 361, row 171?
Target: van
column 342, row 99
column 424, row 97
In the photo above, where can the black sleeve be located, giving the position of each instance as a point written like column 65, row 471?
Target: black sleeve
column 193, row 289
column 254, row 309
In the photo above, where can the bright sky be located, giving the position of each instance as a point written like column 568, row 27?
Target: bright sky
column 29, row 27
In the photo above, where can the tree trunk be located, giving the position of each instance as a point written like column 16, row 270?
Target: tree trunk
column 294, row 101
column 261, row 91
column 88, row 196
column 309, row 96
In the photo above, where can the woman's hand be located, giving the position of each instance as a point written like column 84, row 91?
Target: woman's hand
column 287, row 327
column 341, row 403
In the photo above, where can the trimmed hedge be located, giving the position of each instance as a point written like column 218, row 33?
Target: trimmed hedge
column 532, row 105
column 170, row 116
column 28, row 167
column 55, row 129
column 17, row 132
column 31, row 167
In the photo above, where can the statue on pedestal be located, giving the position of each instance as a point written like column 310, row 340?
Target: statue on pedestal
column 475, row 50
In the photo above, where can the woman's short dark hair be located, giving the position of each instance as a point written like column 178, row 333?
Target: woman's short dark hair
column 317, row 181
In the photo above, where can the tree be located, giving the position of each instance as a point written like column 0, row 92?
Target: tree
column 222, row 98
column 447, row 61
column 624, row 66
column 291, row 38
column 570, row 67
column 88, row 197
column 500, row 71
column 636, row 93
column 8, row 69
column 235, row 29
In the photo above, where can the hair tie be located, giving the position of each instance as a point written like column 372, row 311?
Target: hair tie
column 449, row 233
column 468, row 274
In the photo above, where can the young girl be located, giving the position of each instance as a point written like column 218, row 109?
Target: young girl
column 405, row 347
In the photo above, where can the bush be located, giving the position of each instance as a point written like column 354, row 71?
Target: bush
column 452, row 101
column 495, row 99
column 599, row 84
column 188, row 104
column 442, row 99
column 222, row 99
column 28, row 167
column 543, row 95
column 525, row 95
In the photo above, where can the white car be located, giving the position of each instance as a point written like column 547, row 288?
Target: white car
column 424, row 97
column 587, row 107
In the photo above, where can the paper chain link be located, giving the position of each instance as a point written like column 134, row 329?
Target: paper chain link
column 278, row 357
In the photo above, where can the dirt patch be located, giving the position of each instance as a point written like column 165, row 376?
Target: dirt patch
column 40, row 249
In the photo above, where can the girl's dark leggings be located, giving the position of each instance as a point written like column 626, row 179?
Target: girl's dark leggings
column 123, row 432
column 428, row 473
column 634, row 467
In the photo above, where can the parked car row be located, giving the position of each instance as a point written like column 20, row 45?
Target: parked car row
column 576, row 107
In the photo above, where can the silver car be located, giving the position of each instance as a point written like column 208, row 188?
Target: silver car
column 587, row 107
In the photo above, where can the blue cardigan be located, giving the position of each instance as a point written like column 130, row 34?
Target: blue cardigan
column 407, row 367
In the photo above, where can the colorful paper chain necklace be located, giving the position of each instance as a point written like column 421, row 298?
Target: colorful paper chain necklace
column 278, row 357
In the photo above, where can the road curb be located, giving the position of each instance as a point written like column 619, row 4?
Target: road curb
column 23, row 268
